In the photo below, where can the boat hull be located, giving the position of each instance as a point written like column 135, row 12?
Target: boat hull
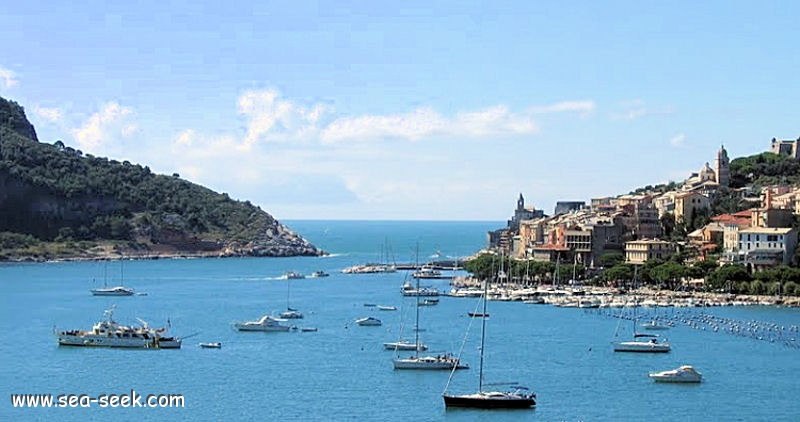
column 112, row 292
column 428, row 364
column 482, row 401
column 405, row 346
column 272, row 328
column 641, row 347
column 116, row 342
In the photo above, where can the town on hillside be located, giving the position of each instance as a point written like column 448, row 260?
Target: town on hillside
column 644, row 226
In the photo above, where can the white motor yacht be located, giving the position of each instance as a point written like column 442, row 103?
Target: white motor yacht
column 266, row 323
column 685, row 373
column 369, row 321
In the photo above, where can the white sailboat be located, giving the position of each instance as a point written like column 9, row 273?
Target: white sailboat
column 517, row 398
column 115, row 290
column 641, row 343
column 290, row 312
column 437, row 362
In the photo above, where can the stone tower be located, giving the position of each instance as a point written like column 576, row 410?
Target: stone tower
column 722, row 167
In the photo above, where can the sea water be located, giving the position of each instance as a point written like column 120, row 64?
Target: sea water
column 341, row 371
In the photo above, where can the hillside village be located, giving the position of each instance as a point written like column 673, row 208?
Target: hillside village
column 644, row 226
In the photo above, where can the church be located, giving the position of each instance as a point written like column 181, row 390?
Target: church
column 708, row 177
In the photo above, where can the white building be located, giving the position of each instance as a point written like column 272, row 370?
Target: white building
column 761, row 247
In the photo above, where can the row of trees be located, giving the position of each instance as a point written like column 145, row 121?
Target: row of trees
column 670, row 274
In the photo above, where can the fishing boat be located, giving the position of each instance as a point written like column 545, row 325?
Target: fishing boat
column 683, row 374
column 109, row 333
column 517, row 397
column 266, row 323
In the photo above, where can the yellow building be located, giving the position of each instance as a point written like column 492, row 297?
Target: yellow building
column 640, row 251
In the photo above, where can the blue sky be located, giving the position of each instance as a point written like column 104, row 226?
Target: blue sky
column 377, row 110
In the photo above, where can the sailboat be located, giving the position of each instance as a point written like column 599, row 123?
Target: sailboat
column 641, row 343
column 518, row 398
column 290, row 312
column 441, row 361
column 112, row 291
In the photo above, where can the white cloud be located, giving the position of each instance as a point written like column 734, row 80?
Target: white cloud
column 678, row 140
column 585, row 107
column 425, row 122
column 7, row 78
column 635, row 109
column 269, row 118
column 51, row 114
column 109, row 122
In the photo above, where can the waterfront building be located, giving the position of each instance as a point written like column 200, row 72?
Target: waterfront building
column 763, row 247
column 640, row 251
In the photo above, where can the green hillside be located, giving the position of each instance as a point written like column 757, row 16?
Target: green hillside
column 79, row 203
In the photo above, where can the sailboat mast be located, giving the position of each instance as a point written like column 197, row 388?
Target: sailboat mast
column 416, row 321
column 483, row 326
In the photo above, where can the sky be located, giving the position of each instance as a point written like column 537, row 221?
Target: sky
column 371, row 110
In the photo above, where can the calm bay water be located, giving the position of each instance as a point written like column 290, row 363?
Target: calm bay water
column 341, row 372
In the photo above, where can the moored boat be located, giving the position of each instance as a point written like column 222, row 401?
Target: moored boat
column 216, row 345
column 651, row 345
column 267, row 323
column 112, row 291
column 109, row 333
column 368, row 321
column 683, row 374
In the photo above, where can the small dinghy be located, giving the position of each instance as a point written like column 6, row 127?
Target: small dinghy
column 216, row 345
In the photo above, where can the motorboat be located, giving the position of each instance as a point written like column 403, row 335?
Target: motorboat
column 319, row 274
column 685, row 373
column 216, row 345
column 112, row 291
column 655, row 325
column 445, row 361
column 650, row 344
column 386, row 308
column 428, row 302
column 369, row 321
column 293, row 275
column 308, row 329
column 266, row 323
column 404, row 345
column 109, row 333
